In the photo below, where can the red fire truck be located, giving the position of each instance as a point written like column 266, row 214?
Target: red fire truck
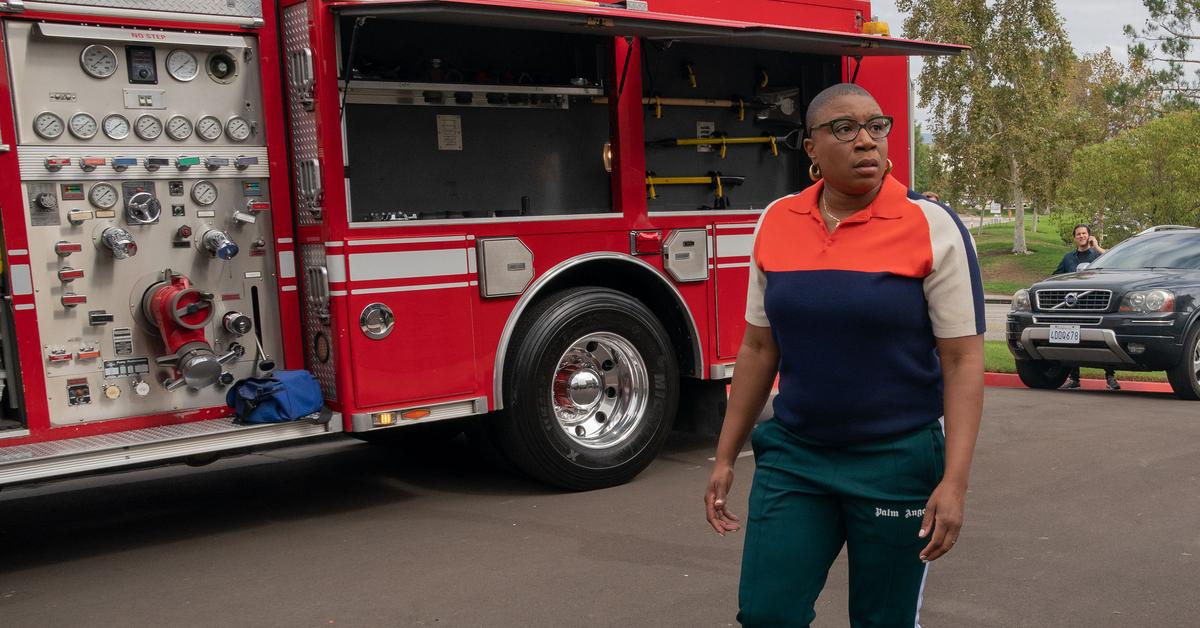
column 538, row 211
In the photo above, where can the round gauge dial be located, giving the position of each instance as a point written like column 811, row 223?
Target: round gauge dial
column 103, row 196
column 182, row 65
column 48, row 125
column 83, row 126
column 148, row 127
column 179, row 128
column 238, row 129
column 116, row 126
column 98, row 61
column 204, row 193
column 209, row 128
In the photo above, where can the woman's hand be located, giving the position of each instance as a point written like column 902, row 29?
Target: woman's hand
column 944, row 516
column 719, row 484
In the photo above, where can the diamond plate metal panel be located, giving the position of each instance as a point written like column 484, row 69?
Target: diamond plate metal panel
column 303, row 122
column 314, row 255
column 235, row 8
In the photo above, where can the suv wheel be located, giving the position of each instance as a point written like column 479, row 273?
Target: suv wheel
column 1185, row 376
column 1041, row 374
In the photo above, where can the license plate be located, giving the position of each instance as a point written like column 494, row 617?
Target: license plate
column 1064, row 334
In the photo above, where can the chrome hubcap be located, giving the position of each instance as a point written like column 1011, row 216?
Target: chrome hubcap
column 599, row 390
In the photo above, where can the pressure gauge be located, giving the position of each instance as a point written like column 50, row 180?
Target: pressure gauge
column 204, row 193
column 148, row 127
column 179, row 128
column 237, row 129
column 182, row 65
column 48, row 125
column 98, row 61
column 83, row 126
column 103, row 196
column 116, row 126
column 209, row 128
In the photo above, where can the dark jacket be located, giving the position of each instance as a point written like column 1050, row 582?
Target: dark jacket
column 1071, row 261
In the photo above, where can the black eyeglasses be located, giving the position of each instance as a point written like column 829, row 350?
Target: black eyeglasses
column 846, row 129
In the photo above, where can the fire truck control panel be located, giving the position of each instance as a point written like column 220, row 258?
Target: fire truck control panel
column 144, row 176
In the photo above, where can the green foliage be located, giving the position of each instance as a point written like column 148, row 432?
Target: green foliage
column 921, row 178
column 1142, row 177
column 1064, row 221
column 996, row 110
column 1161, row 49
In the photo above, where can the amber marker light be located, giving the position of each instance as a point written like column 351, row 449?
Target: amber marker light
column 413, row 415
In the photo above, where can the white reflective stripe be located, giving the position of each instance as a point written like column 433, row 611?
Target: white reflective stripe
column 287, row 265
column 471, row 257
column 748, row 225
column 23, row 306
column 408, row 240
column 920, row 598
column 18, row 252
column 735, row 245
column 708, row 242
column 407, row 264
column 338, row 293
column 432, row 286
column 284, row 240
column 22, row 282
column 287, row 289
column 334, row 245
column 335, row 265
column 735, row 265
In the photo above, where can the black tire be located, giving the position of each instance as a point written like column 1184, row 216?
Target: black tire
column 591, row 338
column 1042, row 374
column 1185, row 376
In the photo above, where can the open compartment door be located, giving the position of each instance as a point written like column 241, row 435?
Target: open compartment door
column 528, row 14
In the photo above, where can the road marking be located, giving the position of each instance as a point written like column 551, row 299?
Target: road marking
column 748, row 452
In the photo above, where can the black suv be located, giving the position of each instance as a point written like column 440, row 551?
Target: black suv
column 1136, row 308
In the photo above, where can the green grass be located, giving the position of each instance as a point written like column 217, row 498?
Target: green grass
column 1005, row 273
column 998, row 359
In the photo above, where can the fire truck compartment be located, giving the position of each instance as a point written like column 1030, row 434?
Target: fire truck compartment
column 452, row 121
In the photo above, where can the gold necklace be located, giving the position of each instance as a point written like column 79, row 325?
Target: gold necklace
column 837, row 222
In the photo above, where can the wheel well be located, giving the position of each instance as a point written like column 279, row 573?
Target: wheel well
column 619, row 272
column 642, row 285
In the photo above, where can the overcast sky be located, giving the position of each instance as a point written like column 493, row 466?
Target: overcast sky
column 1091, row 24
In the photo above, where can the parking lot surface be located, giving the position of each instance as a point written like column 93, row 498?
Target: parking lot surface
column 1083, row 511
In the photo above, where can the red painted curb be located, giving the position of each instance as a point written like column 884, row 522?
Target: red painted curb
column 1011, row 380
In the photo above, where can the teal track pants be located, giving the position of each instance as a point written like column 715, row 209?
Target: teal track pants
column 808, row 500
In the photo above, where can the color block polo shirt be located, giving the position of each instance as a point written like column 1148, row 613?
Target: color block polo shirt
column 856, row 313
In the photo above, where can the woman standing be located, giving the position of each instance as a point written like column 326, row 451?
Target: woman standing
column 866, row 300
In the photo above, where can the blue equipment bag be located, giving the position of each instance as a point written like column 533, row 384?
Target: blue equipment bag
column 284, row 396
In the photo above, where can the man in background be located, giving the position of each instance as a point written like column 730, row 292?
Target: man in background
column 1087, row 249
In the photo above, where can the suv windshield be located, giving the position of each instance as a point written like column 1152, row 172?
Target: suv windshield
column 1176, row 250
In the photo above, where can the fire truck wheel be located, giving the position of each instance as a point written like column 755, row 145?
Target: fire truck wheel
column 591, row 389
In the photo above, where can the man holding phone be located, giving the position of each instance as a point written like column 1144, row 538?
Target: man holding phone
column 1087, row 249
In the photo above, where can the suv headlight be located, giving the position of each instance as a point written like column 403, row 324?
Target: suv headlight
column 1020, row 301
column 1147, row 301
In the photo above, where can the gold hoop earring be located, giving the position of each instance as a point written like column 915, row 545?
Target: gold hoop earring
column 889, row 168
column 814, row 172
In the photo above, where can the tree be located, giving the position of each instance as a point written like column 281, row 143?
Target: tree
column 921, row 174
column 1141, row 177
column 1164, row 44
column 994, row 108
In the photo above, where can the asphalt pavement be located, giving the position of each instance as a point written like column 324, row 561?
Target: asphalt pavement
column 1083, row 512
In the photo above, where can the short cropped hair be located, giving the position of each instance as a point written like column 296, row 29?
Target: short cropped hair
column 1088, row 227
column 826, row 96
